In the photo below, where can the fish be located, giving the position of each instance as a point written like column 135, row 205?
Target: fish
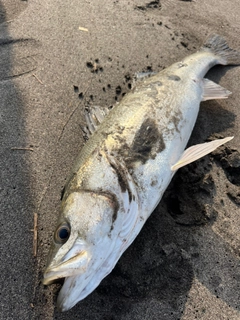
column 122, row 171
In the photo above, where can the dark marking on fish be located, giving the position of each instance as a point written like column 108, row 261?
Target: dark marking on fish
column 145, row 138
column 116, row 208
column 153, row 183
column 174, row 77
column 176, row 118
column 175, row 121
column 147, row 142
column 121, row 175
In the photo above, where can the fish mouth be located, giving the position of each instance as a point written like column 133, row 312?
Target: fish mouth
column 81, row 275
column 72, row 291
column 78, row 287
column 67, row 268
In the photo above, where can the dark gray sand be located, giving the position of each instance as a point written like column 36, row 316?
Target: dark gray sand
column 185, row 262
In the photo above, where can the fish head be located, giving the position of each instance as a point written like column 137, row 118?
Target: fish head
column 81, row 243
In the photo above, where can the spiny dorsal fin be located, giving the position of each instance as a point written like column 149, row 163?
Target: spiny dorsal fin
column 141, row 76
column 94, row 116
column 212, row 90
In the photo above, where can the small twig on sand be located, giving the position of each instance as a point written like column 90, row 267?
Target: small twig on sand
column 35, row 234
column 22, row 148
column 71, row 114
column 37, row 78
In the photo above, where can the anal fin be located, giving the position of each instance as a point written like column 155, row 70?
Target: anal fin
column 212, row 90
column 198, row 151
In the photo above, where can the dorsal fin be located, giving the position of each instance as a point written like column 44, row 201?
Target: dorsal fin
column 94, row 116
column 141, row 76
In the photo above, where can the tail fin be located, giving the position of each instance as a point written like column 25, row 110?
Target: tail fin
column 217, row 45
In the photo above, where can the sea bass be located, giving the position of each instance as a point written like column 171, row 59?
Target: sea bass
column 124, row 168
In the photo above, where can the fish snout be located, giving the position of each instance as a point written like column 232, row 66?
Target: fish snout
column 75, row 262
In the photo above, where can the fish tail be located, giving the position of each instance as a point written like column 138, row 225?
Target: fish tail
column 219, row 47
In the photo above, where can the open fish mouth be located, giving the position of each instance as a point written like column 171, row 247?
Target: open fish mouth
column 73, row 266
column 77, row 279
column 77, row 287
column 74, row 262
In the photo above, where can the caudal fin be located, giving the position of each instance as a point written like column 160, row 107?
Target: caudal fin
column 218, row 45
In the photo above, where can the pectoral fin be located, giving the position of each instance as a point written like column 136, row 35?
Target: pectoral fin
column 212, row 90
column 198, row 151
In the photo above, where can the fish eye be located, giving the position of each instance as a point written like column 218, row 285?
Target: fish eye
column 62, row 233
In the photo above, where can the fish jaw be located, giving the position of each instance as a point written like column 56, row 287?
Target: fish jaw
column 76, row 288
column 73, row 263
column 68, row 295
column 83, row 270
column 83, row 277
